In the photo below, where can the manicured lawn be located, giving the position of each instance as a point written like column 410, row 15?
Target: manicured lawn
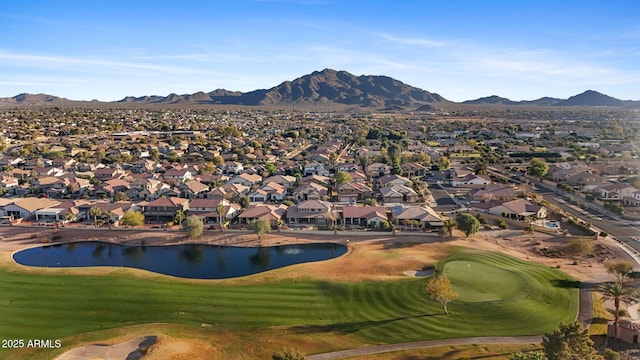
column 499, row 295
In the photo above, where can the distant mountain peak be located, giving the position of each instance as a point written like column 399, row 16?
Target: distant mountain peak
column 325, row 87
column 591, row 98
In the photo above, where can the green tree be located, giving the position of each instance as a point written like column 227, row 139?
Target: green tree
column 443, row 163
column 193, row 226
column 69, row 217
column 450, row 224
column 94, row 212
column 342, row 177
column 179, row 217
column 620, row 269
column 244, row 202
column 532, row 355
column 439, row 288
column 120, row 196
column 467, row 223
column 271, row 168
column 618, row 293
column 132, row 218
column 538, row 168
column 569, row 342
column 260, row 226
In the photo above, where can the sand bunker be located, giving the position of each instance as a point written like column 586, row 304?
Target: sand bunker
column 133, row 349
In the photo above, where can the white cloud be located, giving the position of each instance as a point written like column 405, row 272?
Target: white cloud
column 84, row 64
column 412, row 41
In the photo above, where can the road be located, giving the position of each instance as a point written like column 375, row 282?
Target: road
column 625, row 231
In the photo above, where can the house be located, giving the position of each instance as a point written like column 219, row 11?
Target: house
column 586, row 181
column 77, row 186
column 273, row 213
column 347, row 167
column 358, row 176
column 46, row 183
column 412, row 169
column 228, row 191
column 107, row 173
column 399, row 193
column 285, row 180
column 246, row 179
column 268, row 192
column 47, row 171
column 628, row 331
column 147, row 189
column 176, row 176
column 616, row 191
column 311, row 212
column 192, row 189
column 633, row 200
column 163, row 209
column 500, row 192
column 377, row 170
column 232, row 167
column 363, row 216
column 207, row 210
column 471, row 180
column 110, row 187
column 393, row 180
column 422, row 216
column 519, row 209
column 354, row 191
column 322, row 180
column 25, row 208
column 64, row 211
column 112, row 212
column 310, row 191
column 8, row 182
column 315, row 168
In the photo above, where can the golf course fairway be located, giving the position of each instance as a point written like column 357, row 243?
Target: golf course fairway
column 498, row 295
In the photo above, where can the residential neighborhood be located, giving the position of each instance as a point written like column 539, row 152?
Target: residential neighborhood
column 309, row 170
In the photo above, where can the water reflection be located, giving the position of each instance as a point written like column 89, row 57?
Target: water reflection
column 261, row 258
column 189, row 261
column 193, row 254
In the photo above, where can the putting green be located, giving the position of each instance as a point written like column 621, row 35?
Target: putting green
column 478, row 282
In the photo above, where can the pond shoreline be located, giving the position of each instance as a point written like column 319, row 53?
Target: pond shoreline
column 187, row 261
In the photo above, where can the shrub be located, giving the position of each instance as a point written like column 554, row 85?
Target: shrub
column 611, row 354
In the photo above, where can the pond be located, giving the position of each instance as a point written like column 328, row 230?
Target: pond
column 195, row 261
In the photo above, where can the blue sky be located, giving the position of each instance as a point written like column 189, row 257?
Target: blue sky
column 463, row 50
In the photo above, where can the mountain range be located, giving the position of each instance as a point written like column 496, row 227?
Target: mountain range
column 332, row 88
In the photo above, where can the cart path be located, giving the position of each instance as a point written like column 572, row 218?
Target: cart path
column 369, row 350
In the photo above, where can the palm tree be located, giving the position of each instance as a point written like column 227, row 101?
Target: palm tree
column 449, row 224
column 94, row 212
column 220, row 209
column 618, row 293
